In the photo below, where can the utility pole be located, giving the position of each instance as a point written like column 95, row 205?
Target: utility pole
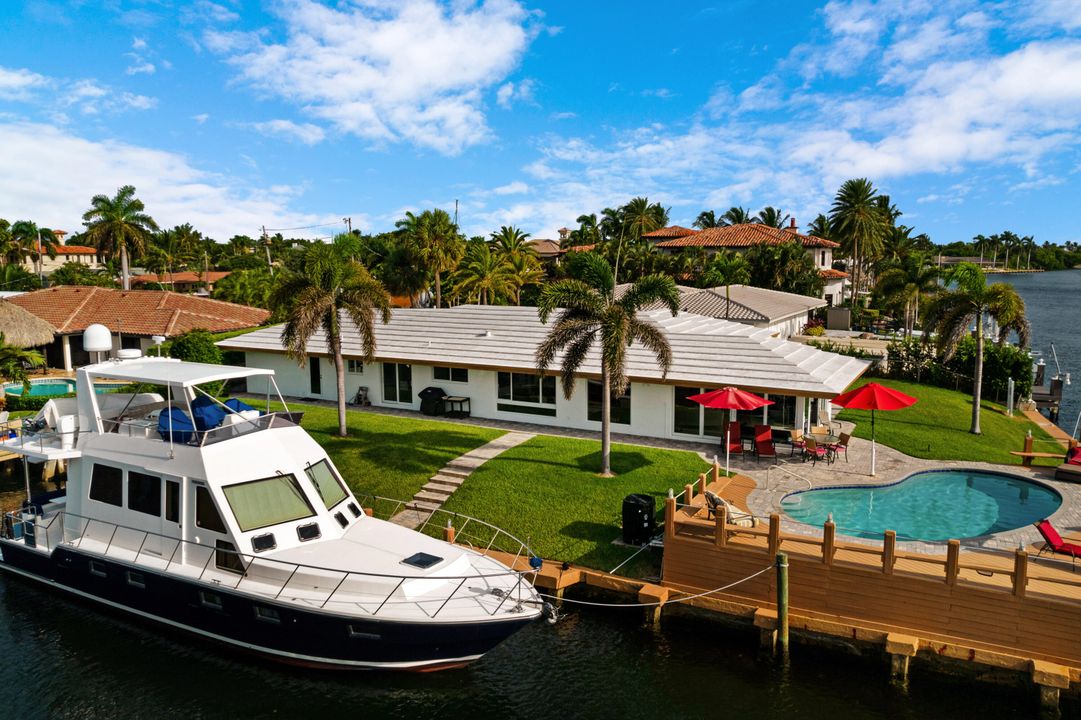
column 266, row 246
column 41, row 269
column 348, row 224
column 456, row 213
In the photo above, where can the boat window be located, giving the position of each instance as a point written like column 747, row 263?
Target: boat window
column 262, row 503
column 136, row 579
column 308, row 532
column 206, row 514
column 341, row 519
column 354, row 509
column 107, row 485
column 328, row 484
column 97, row 568
column 144, row 493
column 227, row 558
column 172, row 501
column 259, row 543
column 210, row 600
column 266, row 614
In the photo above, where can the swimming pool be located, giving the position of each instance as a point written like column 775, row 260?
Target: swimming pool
column 54, row 387
column 934, row 505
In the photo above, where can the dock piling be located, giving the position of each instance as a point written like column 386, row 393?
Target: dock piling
column 782, row 603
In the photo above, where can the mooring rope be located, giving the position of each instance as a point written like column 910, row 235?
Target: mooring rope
column 667, row 602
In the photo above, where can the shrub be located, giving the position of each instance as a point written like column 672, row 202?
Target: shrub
column 919, row 362
column 195, row 346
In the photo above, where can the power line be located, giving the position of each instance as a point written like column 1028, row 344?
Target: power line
column 305, row 227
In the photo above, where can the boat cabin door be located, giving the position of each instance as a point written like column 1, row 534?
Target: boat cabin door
column 172, row 517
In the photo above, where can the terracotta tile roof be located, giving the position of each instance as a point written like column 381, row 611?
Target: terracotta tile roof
column 674, row 231
column 186, row 276
column 75, row 250
column 744, row 236
column 579, row 248
column 71, row 309
column 544, row 248
column 831, row 274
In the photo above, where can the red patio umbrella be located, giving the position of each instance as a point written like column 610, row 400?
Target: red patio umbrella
column 729, row 398
column 873, row 396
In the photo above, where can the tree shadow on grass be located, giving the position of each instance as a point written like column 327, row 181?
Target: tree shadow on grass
column 592, row 531
column 622, row 462
column 403, row 452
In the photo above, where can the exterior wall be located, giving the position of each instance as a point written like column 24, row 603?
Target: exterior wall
column 652, row 404
column 49, row 264
column 833, row 291
column 789, row 326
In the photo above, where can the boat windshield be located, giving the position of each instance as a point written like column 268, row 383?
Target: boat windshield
column 261, row 503
column 328, row 484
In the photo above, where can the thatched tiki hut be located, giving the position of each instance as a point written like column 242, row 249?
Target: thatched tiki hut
column 22, row 328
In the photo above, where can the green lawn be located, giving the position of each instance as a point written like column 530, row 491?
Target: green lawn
column 386, row 455
column 937, row 426
column 546, row 491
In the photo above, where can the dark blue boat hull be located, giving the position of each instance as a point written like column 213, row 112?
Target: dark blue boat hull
column 281, row 631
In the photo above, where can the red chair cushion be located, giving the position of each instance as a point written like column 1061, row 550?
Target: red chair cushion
column 1073, row 456
column 1050, row 534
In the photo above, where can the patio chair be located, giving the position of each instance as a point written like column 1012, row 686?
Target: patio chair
column 1055, row 544
column 732, row 515
column 735, row 443
column 841, row 445
column 816, row 452
column 820, row 430
column 797, row 440
column 763, row 443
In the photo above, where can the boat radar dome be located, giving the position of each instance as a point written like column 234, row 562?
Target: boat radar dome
column 97, row 338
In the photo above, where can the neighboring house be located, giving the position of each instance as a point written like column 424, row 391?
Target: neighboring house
column 82, row 254
column 668, row 233
column 134, row 316
column 487, row 353
column 184, row 282
column 739, row 238
column 548, row 251
column 783, row 314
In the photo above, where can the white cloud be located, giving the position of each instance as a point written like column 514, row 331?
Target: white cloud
column 563, row 115
column 138, row 44
column 513, row 188
column 141, row 67
column 19, row 83
column 201, row 118
column 204, row 10
column 304, row 132
column 387, row 72
column 63, row 171
column 92, row 99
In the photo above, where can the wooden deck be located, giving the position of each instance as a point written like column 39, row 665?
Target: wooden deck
column 1010, row 606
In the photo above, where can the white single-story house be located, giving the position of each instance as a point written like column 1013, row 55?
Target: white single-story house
column 783, row 314
column 486, row 354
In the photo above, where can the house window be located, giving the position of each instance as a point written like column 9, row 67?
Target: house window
column 621, row 406
column 354, row 367
column 107, row 485
column 144, row 493
column 690, row 418
column 397, row 383
column 782, row 412
column 823, row 263
column 450, row 374
column 528, row 393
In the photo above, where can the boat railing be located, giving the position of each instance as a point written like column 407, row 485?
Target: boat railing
column 231, row 428
column 310, row 585
column 42, row 441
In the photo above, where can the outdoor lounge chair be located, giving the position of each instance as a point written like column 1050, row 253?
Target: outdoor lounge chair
column 841, row 446
column 816, row 452
column 735, row 443
column 732, row 515
column 763, row 442
column 1054, row 542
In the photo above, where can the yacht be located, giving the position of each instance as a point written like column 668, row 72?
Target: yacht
column 232, row 523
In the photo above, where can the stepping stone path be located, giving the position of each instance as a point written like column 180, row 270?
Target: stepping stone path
column 443, row 484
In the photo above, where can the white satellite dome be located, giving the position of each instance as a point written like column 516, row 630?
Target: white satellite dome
column 97, row 338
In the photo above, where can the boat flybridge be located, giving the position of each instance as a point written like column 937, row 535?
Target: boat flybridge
column 234, row 524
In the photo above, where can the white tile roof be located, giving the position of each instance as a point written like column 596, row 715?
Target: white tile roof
column 743, row 303
column 706, row 352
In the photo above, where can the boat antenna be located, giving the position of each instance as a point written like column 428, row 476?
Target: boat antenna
column 1058, row 370
column 120, row 333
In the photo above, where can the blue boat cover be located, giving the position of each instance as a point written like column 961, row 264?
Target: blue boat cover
column 183, row 428
column 237, row 405
column 206, row 413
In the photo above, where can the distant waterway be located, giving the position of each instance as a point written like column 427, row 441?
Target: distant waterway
column 66, row 659
column 1053, row 304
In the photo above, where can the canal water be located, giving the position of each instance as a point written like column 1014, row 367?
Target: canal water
column 66, row 659
column 1053, row 305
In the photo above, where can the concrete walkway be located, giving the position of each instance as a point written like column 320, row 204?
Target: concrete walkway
column 443, row 484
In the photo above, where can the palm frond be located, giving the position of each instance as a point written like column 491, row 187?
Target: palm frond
column 653, row 339
column 570, row 294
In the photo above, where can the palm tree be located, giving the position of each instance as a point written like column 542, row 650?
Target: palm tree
column 706, row 219
column 771, row 217
column 511, row 241
column 906, row 283
column 967, row 298
column 735, row 216
column 588, row 232
column 726, row 268
column 640, row 217
column 313, row 299
column 785, row 267
column 857, row 222
column 820, row 227
column 438, row 243
column 28, row 241
column 118, row 225
column 245, row 287
column 590, row 316
column 524, row 270
column 15, row 277
column 240, row 245
column 14, row 361
column 483, row 275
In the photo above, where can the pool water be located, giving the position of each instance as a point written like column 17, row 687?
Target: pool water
column 934, row 506
column 54, row 388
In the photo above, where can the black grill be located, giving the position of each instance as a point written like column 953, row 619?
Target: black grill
column 431, row 401
column 638, row 518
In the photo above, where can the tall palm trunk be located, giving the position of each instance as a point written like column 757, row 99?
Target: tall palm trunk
column 339, row 377
column 438, row 291
column 977, row 375
column 606, row 422
column 125, row 278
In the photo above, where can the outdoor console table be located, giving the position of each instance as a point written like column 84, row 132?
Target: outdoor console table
column 457, row 406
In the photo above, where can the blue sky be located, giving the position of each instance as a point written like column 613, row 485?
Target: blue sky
column 233, row 114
